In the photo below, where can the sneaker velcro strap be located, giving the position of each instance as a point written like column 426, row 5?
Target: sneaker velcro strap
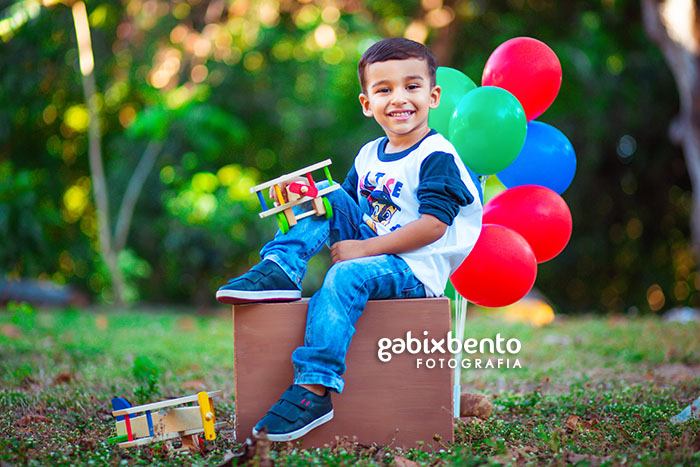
column 288, row 412
column 294, row 399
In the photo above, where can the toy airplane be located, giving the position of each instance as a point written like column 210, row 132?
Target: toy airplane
column 297, row 193
column 161, row 421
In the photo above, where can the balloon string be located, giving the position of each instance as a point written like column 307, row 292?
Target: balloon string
column 482, row 179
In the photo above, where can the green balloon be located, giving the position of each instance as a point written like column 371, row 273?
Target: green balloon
column 488, row 129
column 454, row 85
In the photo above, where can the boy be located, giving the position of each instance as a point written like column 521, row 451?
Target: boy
column 408, row 215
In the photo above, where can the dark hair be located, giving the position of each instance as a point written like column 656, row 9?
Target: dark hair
column 396, row 48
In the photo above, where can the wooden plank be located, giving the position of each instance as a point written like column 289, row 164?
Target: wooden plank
column 181, row 419
column 305, row 215
column 163, row 404
column 319, row 207
column 291, row 218
column 297, row 202
column 298, row 173
column 391, row 403
column 165, row 437
column 139, row 426
column 173, row 420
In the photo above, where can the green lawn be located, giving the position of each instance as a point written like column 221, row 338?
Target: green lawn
column 622, row 378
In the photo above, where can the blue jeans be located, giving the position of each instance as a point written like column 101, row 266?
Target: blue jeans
column 336, row 306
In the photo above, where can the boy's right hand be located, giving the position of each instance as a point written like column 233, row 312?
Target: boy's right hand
column 283, row 188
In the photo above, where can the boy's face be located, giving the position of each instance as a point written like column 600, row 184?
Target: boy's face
column 399, row 97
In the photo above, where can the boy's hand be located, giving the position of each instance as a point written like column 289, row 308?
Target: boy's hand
column 283, row 188
column 418, row 233
column 348, row 249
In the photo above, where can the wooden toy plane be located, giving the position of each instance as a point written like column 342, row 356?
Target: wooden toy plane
column 298, row 192
column 161, row 421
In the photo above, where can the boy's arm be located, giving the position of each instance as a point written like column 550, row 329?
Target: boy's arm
column 422, row 231
column 350, row 183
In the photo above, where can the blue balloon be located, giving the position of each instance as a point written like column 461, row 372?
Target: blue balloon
column 546, row 159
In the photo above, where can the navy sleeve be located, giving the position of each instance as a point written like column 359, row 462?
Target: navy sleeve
column 441, row 191
column 350, row 183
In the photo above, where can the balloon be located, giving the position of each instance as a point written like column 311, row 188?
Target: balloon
column 499, row 271
column 454, row 85
column 537, row 213
column 529, row 69
column 547, row 159
column 488, row 129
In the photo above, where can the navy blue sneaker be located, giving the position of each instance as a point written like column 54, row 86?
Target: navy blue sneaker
column 296, row 413
column 265, row 282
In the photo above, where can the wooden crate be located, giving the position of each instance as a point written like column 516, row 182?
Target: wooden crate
column 392, row 403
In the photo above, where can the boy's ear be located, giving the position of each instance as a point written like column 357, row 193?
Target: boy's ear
column 364, row 101
column 435, row 97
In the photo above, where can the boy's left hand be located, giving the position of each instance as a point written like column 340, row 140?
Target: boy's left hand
column 348, row 249
column 418, row 233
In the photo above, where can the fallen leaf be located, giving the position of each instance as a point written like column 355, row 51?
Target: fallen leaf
column 31, row 418
column 257, row 447
column 475, row 405
column 573, row 422
column 193, row 385
column 101, row 322
column 575, row 458
column 11, row 331
column 576, row 423
column 400, row 461
column 194, row 443
column 187, row 324
column 590, row 423
column 63, row 377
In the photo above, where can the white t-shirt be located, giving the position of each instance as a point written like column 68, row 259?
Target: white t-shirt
column 428, row 178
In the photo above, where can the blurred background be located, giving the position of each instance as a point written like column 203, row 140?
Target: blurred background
column 197, row 101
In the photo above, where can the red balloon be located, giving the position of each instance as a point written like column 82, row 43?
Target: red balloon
column 499, row 271
column 527, row 68
column 537, row 213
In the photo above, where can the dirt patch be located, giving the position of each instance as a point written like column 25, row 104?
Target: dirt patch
column 674, row 372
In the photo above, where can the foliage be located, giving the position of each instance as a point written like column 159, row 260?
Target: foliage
column 59, row 370
column 269, row 86
column 146, row 375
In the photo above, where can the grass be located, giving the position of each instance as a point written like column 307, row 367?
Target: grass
column 592, row 391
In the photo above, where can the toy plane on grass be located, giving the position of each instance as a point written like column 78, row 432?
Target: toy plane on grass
column 164, row 421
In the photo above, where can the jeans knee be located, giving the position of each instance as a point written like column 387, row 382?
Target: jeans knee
column 344, row 276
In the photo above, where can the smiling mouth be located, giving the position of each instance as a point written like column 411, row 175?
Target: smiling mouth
column 401, row 113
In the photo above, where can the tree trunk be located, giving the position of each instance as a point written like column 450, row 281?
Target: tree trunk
column 99, row 185
column 674, row 25
column 443, row 46
column 133, row 190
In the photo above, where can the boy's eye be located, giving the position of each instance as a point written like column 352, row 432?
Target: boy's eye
column 413, row 86
column 383, row 90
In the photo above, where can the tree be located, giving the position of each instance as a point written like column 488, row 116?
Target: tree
column 111, row 243
column 221, row 94
column 675, row 27
column 87, row 66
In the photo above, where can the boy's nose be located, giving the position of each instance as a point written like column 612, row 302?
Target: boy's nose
column 399, row 98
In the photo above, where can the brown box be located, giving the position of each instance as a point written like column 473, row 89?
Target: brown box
column 393, row 403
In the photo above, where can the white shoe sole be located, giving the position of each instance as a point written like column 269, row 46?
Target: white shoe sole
column 243, row 296
column 300, row 432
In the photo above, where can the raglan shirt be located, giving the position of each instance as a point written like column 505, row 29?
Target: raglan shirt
column 394, row 189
